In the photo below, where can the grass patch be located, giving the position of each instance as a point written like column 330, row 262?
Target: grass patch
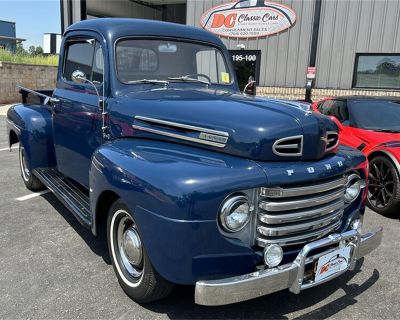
column 23, row 58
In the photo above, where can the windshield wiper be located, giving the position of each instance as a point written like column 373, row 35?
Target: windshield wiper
column 145, row 81
column 189, row 79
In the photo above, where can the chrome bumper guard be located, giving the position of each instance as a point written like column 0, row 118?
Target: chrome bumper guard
column 289, row 276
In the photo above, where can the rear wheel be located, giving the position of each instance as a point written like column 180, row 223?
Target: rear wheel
column 132, row 266
column 31, row 182
column 383, row 187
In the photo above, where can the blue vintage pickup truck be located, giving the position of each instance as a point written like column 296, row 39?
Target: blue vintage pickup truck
column 149, row 143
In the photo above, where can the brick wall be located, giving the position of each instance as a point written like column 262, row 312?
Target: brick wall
column 318, row 94
column 30, row 76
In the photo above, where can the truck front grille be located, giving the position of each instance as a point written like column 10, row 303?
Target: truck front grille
column 295, row 215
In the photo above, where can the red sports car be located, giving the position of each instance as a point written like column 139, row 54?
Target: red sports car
column 372, row 125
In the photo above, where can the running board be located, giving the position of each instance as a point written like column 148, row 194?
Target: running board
column 71, row 196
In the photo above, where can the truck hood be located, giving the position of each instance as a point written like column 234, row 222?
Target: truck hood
column 222, row 121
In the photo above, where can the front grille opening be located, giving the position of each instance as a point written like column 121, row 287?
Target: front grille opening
column 299, row 214
column 290, row 146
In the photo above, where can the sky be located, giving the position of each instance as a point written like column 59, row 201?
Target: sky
column 33, row 18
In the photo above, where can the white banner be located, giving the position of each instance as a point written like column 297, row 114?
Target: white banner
column 248, row 19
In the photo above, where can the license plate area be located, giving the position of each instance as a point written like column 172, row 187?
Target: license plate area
column 327, row 264
column 332, row 263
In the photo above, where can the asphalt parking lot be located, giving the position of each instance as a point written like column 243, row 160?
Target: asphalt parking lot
column 51, row 267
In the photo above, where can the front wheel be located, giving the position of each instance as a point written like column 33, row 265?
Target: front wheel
column 383, row 187
column 31, row 182
column 132, row 266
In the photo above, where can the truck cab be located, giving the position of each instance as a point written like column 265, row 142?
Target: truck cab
column 147, row 140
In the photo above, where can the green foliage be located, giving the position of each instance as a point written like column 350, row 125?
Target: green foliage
column 23, row 57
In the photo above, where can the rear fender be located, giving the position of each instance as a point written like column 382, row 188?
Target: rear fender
column 31, row 125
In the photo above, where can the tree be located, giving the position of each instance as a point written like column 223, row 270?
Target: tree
column 20, row 49
column 39, row 50
column 32, row 50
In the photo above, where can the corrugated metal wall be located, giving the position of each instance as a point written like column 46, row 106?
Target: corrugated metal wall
column 347, row 27
column 285, row 56
column 121, row 8
column 354, row 26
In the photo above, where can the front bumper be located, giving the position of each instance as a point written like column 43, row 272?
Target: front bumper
column 292, row 276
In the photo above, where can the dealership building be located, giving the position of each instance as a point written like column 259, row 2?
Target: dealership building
column 337, row 47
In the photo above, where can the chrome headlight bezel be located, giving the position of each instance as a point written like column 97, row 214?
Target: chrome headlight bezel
column 228, row 208
column 353, row 187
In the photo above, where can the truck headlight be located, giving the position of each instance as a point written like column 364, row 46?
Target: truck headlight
column 235, row 213
column 354, row 185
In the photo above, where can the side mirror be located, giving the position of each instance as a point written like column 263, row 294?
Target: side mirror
column 78, row 77
column 338, row 123
column 250, row 87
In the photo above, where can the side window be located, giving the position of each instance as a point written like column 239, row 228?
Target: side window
column 342, row 112
column 325, row 106
column 338, row 109
column 98, row 65
column 212, row 63
column 85, row 57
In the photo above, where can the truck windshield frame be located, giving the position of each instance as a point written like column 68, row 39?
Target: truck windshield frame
column 223, row 73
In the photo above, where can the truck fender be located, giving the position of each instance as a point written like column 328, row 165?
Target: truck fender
column 31, row 125
column 175, row 193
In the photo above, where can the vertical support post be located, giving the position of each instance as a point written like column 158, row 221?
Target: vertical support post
column 314, row 46
column 83, row 10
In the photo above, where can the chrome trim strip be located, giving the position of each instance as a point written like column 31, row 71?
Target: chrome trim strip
column 288, row 276
column 299, row 239
column 267, row 217
column 221, row 135
column 328, row 140
column 12, row 124
column 275, row 145
column 182, row 125
column 287, row 230
column 302, row 191
column 178, row 136
column 303, row 203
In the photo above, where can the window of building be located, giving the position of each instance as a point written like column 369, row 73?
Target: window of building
column 377, row 71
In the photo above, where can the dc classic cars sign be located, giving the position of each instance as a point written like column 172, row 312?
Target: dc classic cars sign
column 248, row 19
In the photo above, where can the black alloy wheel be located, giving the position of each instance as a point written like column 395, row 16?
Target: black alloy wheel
column 383, row 187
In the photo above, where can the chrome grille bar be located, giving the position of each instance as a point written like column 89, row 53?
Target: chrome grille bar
column 299, row 227
column 299, row 239
column 293, row 216
column 302, row 203
column 302, row 191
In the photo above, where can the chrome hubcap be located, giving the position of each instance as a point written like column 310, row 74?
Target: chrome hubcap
column 132, row 246
column 129, row 247
column 24, row 167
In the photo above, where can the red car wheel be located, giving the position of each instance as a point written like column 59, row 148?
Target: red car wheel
column 383, row 188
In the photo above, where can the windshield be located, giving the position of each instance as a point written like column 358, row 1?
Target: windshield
column 145, row 61
column 377, row 115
